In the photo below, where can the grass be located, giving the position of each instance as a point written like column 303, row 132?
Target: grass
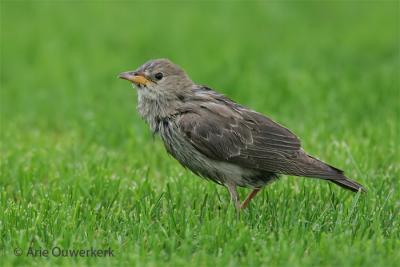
column 79, row 169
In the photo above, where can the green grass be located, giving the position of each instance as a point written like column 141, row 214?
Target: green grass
column 79, row 169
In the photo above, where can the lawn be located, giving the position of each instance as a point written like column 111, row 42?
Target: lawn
column 80, row 169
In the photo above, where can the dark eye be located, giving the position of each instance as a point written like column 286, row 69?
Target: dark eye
column 159, row 76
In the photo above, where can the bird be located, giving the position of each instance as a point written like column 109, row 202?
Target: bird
column 218, row 139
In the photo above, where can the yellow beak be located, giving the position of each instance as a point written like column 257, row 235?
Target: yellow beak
column 136, row 78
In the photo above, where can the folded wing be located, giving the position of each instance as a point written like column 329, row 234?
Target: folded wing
column 225, row 131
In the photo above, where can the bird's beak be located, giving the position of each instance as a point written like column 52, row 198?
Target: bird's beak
column 135, row 77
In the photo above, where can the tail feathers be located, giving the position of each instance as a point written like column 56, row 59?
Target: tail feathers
column 313, row 167
column 348, row 184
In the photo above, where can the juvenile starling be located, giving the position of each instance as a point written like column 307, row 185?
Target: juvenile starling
column 219, row 139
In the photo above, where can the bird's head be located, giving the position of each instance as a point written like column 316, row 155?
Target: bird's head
column 159, row 78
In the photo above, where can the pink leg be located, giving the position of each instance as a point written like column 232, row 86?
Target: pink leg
column 249, row 197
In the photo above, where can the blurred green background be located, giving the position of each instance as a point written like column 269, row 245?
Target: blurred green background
column 79, row 168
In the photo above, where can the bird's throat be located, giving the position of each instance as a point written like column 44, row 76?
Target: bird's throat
column 152, row 109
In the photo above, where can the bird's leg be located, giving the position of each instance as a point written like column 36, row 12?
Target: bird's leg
column 249, row 197
column 234, row 195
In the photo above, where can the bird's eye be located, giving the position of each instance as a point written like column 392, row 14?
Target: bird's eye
column 159, row 76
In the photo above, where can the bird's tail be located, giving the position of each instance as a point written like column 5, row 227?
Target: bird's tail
column 312, row 167
column 349, row 184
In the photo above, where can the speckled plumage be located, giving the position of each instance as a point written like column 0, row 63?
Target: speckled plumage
column 219, row 139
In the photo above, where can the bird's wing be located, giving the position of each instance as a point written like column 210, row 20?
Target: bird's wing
column 225, row 131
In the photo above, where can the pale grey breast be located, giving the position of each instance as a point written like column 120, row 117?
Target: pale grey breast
column 218, row 171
